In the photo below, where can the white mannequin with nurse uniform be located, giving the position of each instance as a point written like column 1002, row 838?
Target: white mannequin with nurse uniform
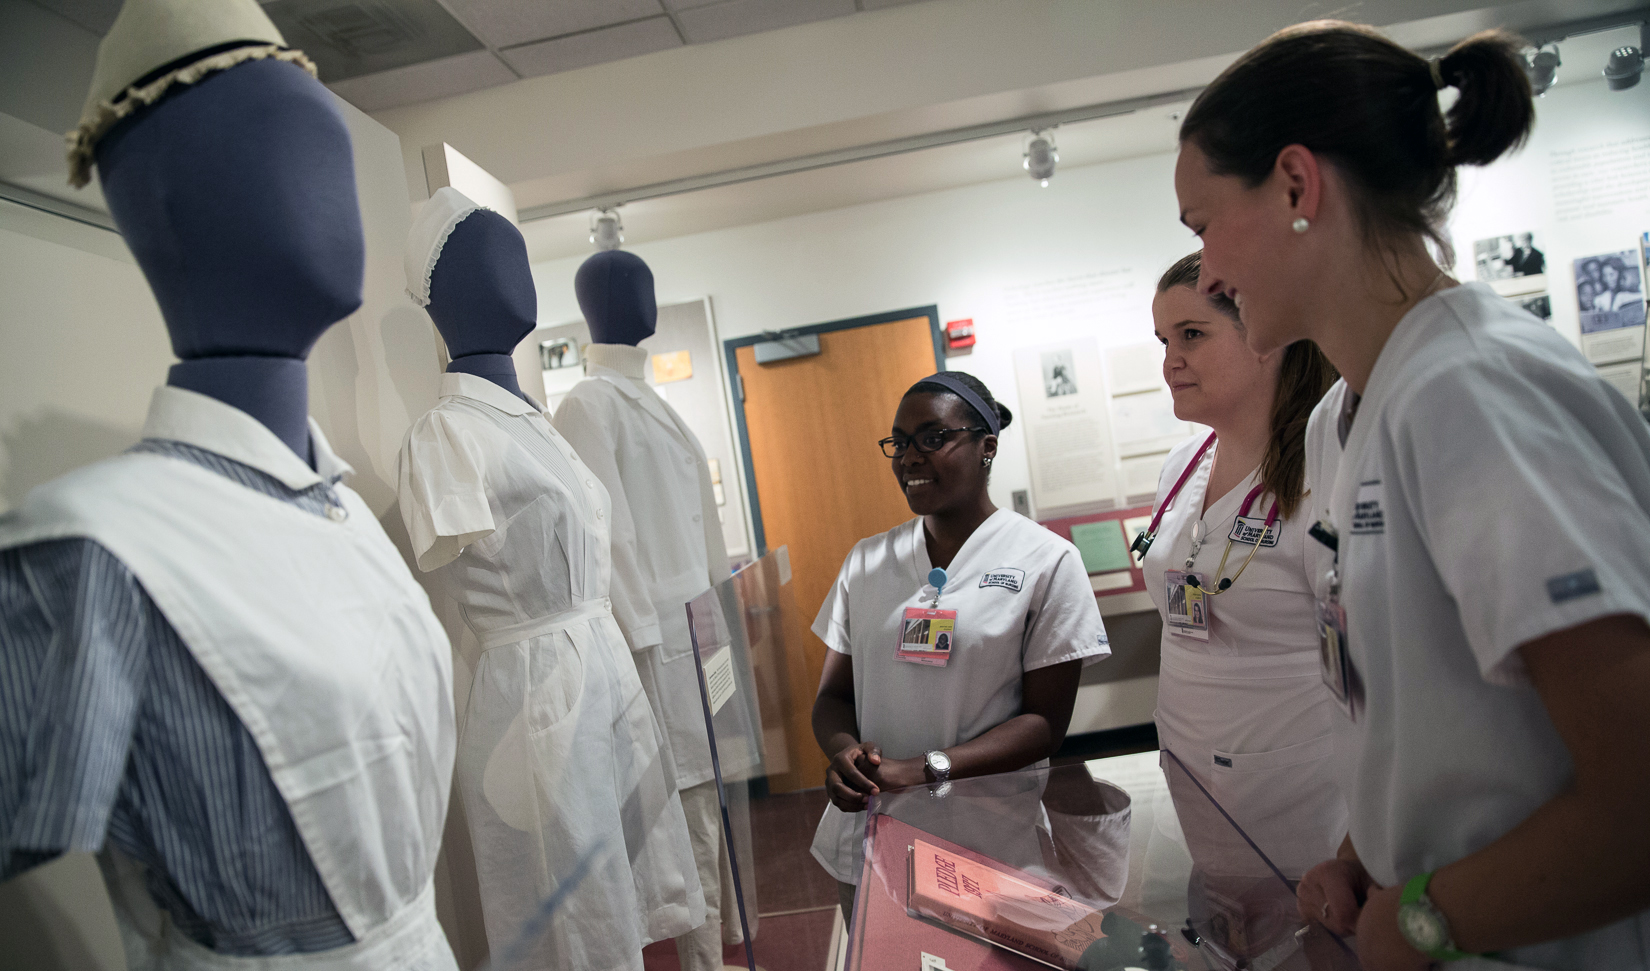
column 1240, row 699
column 667, row 549
column 559, row 755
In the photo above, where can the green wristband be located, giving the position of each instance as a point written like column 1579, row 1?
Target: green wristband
column 1414, row 903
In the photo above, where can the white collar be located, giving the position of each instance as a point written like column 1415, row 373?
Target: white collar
column 627, row 361
column 457, row 384
column 187, row 416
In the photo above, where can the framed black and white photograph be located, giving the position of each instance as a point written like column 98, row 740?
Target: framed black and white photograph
column 1059, row 373
column 1512, row 264
column 1503, row 257
column 1609, row 291
column 1538, row 304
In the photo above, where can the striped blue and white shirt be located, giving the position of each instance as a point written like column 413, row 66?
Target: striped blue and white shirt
column 111, row 731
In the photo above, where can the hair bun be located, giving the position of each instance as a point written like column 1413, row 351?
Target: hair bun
column 1495, row 110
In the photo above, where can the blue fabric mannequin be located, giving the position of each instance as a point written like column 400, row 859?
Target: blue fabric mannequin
column 237, row 197
column 482, row 297
column 615, row 291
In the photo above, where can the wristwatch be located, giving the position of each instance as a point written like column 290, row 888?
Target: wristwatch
column 1423, row 924
column 939, row 764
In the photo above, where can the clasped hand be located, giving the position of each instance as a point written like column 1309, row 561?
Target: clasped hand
column 859, row 772
column 1342, row 896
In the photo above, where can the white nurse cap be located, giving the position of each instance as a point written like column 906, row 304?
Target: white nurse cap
column 157, row 44
column 434, row 223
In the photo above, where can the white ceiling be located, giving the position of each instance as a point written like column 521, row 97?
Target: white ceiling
column 859, row 76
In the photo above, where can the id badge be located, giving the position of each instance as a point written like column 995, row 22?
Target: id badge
column 1188, row 613
column 1332, row 654
column 927, row 636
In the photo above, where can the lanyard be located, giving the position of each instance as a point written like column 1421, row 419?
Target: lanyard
column 1226, row 583
column 1143, row 541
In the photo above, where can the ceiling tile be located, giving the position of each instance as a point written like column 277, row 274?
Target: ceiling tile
column 674, row 5
column 593, row 47
column 881, row 4
column 508, row 23
column 734, row 17
column 353, row 38
column 424, row 82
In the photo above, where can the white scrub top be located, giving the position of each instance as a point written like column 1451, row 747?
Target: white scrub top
column 1246, row 711
column 667, row 540
column 1023, row 602
column 559, row 751
column 1493, row 489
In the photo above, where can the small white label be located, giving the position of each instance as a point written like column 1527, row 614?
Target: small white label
column 933, row 962
column 1247, row 529
column 783, row 555
column 1008, row 577
column 719, row 682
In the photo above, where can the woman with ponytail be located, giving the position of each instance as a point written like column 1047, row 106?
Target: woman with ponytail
column 1239, row 699
column 1484, row 623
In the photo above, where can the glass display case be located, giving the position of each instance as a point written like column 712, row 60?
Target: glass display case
column 1110, row 864
column 1115, row 863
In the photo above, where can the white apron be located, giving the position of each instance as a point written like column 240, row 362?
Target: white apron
column 1246, row 711
column 559, row 752
column 320, row 641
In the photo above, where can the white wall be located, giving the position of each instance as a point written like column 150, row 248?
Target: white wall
column 988, row 251
column 973, row 251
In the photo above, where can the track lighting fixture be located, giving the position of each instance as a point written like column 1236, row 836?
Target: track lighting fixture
column 1040, row 157
column 1541, row 64
column 606, row 231
column 1624, row 68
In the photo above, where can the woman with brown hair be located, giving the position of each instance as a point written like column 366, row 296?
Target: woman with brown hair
column 1240, row 701
column 1485, row 619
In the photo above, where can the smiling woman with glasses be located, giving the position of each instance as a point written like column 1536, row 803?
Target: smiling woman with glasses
column 956, row 639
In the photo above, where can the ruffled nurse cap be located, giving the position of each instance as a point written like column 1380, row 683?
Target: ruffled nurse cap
column 436, row 221
column 157, row 44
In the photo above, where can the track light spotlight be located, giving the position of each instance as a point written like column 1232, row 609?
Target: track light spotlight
column 1541, row 64
column 1040, row 157
column 606, row 231
column 1625, row 66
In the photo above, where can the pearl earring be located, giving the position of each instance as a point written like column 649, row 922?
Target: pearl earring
column 1300, row 225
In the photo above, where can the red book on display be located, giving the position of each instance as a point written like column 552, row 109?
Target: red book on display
column 1008, row 907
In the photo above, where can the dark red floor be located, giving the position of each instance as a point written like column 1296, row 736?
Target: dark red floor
column 795, row 897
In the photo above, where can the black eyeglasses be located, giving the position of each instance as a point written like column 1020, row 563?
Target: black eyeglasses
column 930, row 441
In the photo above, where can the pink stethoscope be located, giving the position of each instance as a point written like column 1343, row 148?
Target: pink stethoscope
column 1143, row 542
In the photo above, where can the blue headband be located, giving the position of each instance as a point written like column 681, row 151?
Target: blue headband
column 967, row 394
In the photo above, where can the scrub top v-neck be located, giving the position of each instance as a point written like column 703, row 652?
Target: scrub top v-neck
column 1023, row 602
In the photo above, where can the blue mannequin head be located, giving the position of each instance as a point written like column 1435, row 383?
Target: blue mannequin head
column 236, row 195
column 482, row 297
column 615, row 291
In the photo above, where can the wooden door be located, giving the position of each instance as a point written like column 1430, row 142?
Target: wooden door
column 822, row 484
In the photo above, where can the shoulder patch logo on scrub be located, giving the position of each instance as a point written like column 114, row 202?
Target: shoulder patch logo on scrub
column 1572, row 585
column 1367, row 516
column 1008, row 578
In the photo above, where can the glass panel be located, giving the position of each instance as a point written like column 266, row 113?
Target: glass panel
column 1115, row 863
column 753, row 683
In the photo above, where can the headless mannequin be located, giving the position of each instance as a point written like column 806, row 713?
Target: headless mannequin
column 615, row 291
column 237, row 198
column 482, row 298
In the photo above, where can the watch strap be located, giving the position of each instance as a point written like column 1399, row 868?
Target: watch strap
column 1415, row 893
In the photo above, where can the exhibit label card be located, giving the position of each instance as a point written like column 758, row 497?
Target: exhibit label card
column 1066, row 409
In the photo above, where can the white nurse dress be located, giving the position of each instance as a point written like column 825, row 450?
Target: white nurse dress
column 1246, row 711
column 559, row 751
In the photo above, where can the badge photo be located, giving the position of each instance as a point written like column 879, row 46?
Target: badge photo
column 927, row 636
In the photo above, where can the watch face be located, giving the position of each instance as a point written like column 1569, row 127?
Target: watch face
column 1423, row 930
column 940, row 762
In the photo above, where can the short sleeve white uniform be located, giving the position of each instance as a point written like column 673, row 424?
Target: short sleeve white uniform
column 558, row 752
column 1493, row 489
column 1023, row 602
column 1246, row 710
